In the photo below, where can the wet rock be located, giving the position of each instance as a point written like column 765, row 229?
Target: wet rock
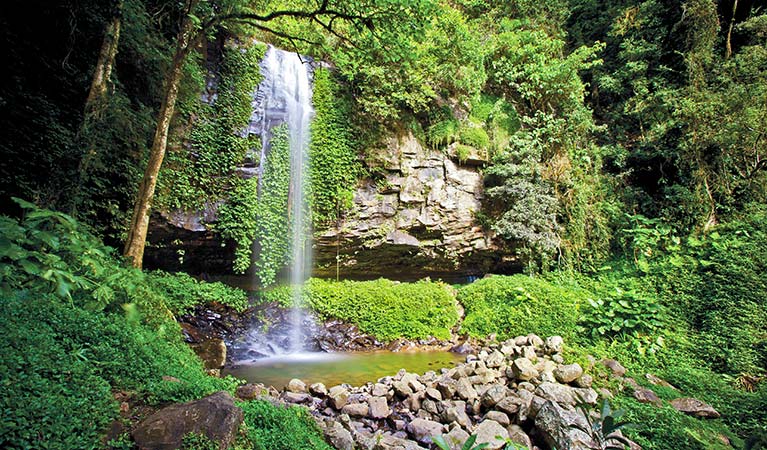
column 491, row 433
column 695, row 408
column 424, row 430
column 212, row 353
column 251, row 391
column 568, row 373
column 214, row 416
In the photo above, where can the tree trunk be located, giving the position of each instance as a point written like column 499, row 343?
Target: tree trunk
column 105, row 63
column 134, row 245
column 729, row 30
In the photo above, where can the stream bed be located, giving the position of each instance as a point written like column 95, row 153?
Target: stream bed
column 332, row 369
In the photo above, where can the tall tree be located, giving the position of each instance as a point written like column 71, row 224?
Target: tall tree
column 341, row 19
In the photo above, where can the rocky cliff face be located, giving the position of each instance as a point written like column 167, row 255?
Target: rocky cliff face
column 418, row 220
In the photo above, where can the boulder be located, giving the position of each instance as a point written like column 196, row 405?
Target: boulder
column 554, row 344
column 379, row 407
column 497, row 416
column 423, row 430
column 518, row 436
column 566, row 395
column 695, row 408
column 296, row 397
column 433, row 394
column 214, row 416
column 338, row 396
column 355, row 409
column 491, row 433
column 456, row 438
column 523, row 369
column 615, row 367
column 318, row 390
column 389, row 442
column 379, row 390
column 337, row 435
column 251, row 391
column 559, row 427
column 568, row 373
column 457, row 413
column 296, row 385
column 643, row 395
column 212, row 353
column 465, row 390
column 493, row 395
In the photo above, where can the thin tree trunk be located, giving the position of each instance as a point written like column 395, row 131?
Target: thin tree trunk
column 729, row 31
column 134, row 245
column 105, row 63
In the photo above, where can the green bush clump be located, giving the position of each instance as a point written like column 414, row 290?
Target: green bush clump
column 442, row 133
column 518, row 305
column 387, row 309
column 182, row 292
column 61, row 363
column 623, row 313
column 271, row 427
column 474, row 136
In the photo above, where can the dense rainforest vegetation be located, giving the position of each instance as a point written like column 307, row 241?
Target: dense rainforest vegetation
column 626, row 168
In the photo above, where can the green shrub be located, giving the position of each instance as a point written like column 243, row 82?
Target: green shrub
column 442, row 133
column 182, row 292
column 387, row 309
column 627, row 313
column 271, row 427
column 474, row 136
column 61, row 363
column 518, row 305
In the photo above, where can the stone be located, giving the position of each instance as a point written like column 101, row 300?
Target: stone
column 568, row 373
column 296, row 385
column 463, row 349
column 251, row 391
column 605, row 393
column 339, row 437
column 518, row 436
column 566, row 395
column 497, row 416
column 465, row 390
column 659, row 381
column 390, row 442
column 509, row 405
column 446, row 388
column 338, row 396
column 615, row 367
column 423, row 430
column 456, row 438
column 643, row 395
column 695, row 408
column 379, row 390
column 214, row 416
column 535, row 341
column 493, row 395
column 379, row 407
column 559, row 427
column 584, row 381
column 318, row 390
column 491, row 433
column 457, row 414
column 494, row 359
column 402, row 389
column 212, row 353
column 523, row 369
column 433, row 394
column 296, row 397
column 355, row 409
column 554, row 344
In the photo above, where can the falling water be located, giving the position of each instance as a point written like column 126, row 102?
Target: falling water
column 285, row 96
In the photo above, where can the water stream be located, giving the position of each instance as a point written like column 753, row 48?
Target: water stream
column 284, row 96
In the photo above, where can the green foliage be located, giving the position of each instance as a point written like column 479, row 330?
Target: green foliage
column 272, row 221
column 202, row 170
column 182, row 292
column 237, row 221
column 519, row 305
column 605, row 430
column 333, row 159
column 387, row 309
column 198, row 441
column 443, row 132
column 271, row 427
column 442, row 443
column 627, row 313
column 474, row 136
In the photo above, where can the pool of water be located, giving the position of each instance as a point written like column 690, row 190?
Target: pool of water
column 337, row 368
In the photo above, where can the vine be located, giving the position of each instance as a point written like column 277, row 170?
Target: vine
column 205, row 168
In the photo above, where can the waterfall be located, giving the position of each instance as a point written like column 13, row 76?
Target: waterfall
column 284, row 96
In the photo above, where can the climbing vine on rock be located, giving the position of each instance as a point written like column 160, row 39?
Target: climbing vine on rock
column 334, row 164
column 204, row 168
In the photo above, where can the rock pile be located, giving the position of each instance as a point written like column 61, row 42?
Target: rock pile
column 518, row 391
